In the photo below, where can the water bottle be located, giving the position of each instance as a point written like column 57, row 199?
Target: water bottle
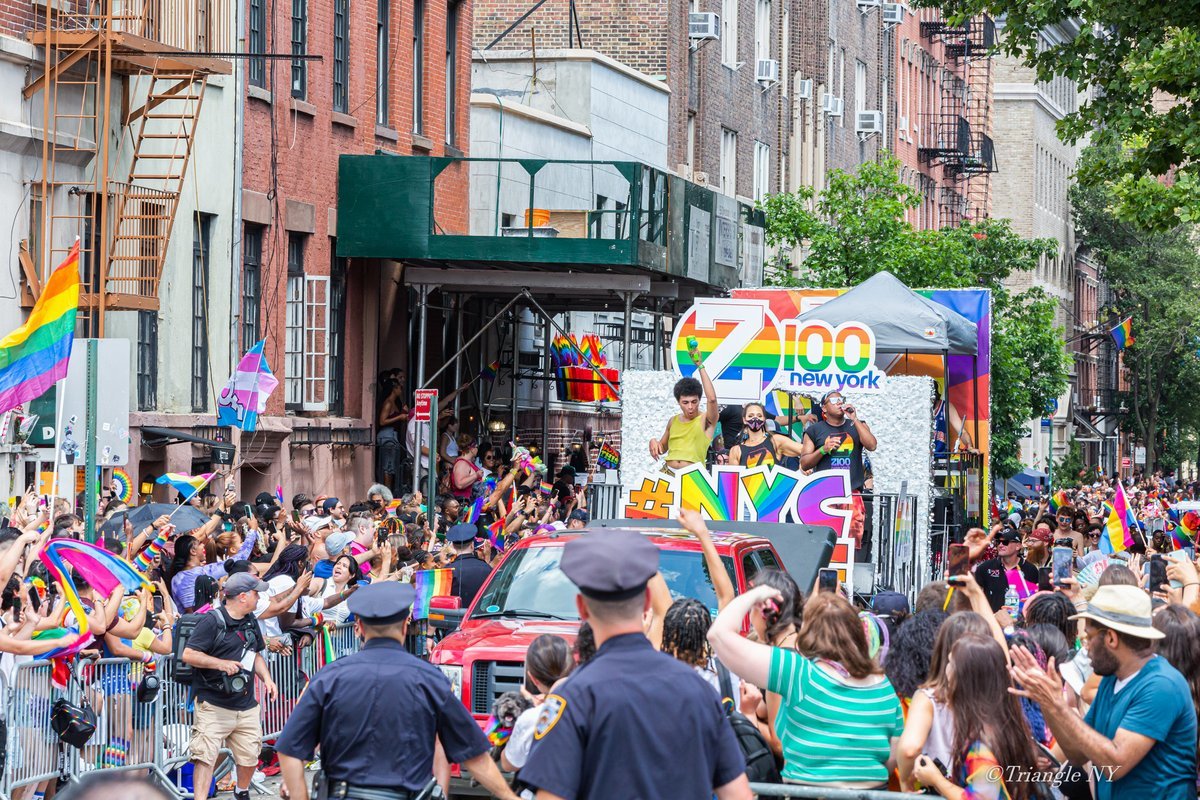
column 1012, row 603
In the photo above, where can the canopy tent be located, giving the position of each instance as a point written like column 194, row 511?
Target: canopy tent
column 902, row 320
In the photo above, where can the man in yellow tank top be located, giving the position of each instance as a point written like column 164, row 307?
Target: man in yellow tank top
column 689, row 434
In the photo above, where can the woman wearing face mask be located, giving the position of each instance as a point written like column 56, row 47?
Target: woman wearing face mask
column 760, row 448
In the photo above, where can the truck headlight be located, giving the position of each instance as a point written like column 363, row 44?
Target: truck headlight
column 454, row 674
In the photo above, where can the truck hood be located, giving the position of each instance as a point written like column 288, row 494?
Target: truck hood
column 498, row 639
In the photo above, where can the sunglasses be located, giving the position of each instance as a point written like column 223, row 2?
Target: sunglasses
column 308, row 513
column 1093, row 536
column 836, row 401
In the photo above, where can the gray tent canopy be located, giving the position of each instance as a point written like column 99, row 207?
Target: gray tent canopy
column 902, row 320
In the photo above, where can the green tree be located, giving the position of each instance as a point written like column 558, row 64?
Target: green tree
column 857, row 227
column 1137, row 63
column 1070, row 470
column 1154, row 276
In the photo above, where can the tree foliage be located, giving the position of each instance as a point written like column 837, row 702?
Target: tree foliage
column 1154, row 277
column 1138, row 64
column 856, row 227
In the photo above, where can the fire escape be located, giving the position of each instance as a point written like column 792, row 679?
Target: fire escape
column 122, row 88
column 963, row 123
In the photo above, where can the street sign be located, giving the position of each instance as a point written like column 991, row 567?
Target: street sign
column 425, row 403
column 1139, row 455
column 1126, row 463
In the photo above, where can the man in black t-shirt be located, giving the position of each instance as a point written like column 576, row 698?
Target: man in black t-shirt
column 226, row 649
column 837, row 442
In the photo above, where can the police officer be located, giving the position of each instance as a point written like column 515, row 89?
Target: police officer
column 376, row 714
column 470, row 572
column 631, row 722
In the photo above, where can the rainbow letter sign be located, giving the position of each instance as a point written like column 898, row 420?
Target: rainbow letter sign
column 749, row 352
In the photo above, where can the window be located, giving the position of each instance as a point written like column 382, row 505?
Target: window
column 337, row 331
column 256, row 33
column 316, row 343
column 383, row 13
column 147, row 360
column 728, row 162
column 252, row 241
column 841, row 92
column 860, row 86
column 762, row 170
column 293, row 349
column 299, row 48
column 341, row 60
column 201, row 244
column 418, row 61
column 785, row 76
column 451, row 71
column 729, row 51
column 691, row 144
column 762, row 30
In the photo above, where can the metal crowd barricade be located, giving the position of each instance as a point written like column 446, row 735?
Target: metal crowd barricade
column 291, row 680
column 33, row 753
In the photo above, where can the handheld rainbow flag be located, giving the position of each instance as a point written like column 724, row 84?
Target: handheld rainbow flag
column 187, row 485
column 1059, row 500
column 547, row 488
column 490, row 372
column 496, row 535
column 122, row 485
column 429, row 583
column 279, row 494
column 1184, row 533
column 1117, row 535
column 35, row 356
column 475, row 511
column 1123, row 333
column 609, row 457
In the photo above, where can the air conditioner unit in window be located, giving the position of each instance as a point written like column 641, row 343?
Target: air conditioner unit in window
column 893, row 13
column 804, row 89
column 831, row 105
column 867, row 123
column 767, row 70
column 865, row 6
column 705, row 25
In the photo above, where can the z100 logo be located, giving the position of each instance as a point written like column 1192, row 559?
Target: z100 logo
column 748, row 351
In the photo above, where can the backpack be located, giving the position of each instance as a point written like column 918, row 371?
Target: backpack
column 185, row 673
column 760, row 761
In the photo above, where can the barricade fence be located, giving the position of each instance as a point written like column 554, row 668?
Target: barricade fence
column 137, row 730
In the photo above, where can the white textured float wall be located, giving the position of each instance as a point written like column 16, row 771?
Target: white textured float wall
column 646, row 405
column 901, row 417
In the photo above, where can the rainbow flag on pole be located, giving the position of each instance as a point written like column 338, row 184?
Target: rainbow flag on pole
column 1118, row 529
column 429, row 583
column 475, row 511
column 1184, row 533
column 1059, row 500
column 34, row 357
column 186, row 485
column 1123, row 333
column 496, row 534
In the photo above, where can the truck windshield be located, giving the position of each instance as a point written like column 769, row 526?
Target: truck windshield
column 530, row 581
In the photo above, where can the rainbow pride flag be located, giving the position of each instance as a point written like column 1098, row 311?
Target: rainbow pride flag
column 186, row 485
column 609, row 457
column 1059, row 500
column 1117, row 535
column 547, row 488
column 496, row 535
column 1184, row 533
column 1123, row 333
column 475, row 511
column 34, row 357
column 429, row 583
column 490, row 372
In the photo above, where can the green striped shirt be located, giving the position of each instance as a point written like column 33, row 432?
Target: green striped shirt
column 832, row 732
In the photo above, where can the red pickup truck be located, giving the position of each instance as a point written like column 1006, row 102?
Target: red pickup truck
column 528, row 595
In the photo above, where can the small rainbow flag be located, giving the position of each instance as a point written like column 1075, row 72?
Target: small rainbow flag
column 186, row 485
column 1059, row 500
column 547, row 488
column 1118, row 529
column 1184, row 533
column 475, row 511
column 34, row 357
column 496, row 535
column 1123, row 333
column 429, row 583
column 122, row 485
column 279, row 494
column 609, row 457
column 490, row 372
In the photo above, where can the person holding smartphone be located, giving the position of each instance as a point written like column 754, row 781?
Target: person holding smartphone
column 837, row 442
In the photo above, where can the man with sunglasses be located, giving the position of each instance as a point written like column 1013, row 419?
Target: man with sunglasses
column 837, row 442
column 1066, row 529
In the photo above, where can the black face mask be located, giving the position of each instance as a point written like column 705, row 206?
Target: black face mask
column 756, row 424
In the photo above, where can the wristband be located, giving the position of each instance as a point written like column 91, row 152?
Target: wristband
column 822, row 451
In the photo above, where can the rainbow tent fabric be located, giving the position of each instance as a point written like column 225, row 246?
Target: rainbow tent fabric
column 35, row 356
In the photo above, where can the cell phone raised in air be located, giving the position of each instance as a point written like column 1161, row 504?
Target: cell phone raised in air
column 1044, row 579
column 157, row 602
column 1158, row 573
column 827, row 580
column 958, row 563
column 1062, row 557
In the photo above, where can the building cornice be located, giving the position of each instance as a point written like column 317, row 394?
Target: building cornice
column 573, row 55
column 481, row 100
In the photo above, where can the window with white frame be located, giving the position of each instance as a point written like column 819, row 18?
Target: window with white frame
column 728, row 162
column 729, row 32
column 293, row 350
column 860, row 85
column 762, row 170
column 316, row 343
column 762, row 30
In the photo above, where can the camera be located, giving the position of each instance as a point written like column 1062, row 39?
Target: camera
column 237, row 683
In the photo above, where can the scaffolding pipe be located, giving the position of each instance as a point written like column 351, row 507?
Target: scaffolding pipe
column 424, row 384
column 458, row 335
column 516, row 364
column 627, row 337
column 423, row 295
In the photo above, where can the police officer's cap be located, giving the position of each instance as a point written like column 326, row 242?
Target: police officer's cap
column 610, row 565
column 462, row 532
column 382, row 603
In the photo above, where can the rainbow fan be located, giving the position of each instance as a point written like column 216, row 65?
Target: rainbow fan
column 122, row 485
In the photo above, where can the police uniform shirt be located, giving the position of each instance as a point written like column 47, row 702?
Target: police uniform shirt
column 633, row 723
column 375, row 714
column 470, row 573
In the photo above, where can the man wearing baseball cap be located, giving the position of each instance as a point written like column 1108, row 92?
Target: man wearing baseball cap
column 1007, row 569
column 1140, row 732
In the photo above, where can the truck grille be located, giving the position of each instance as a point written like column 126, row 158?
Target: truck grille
column 490, row 679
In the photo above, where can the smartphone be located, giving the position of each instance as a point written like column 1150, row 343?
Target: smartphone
column 1062, row 559
column 958, row 562
column 157, row 603
column 827, row 580
column 1044, row 582
column 1157, row 569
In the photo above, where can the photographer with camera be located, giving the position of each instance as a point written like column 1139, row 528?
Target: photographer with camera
column 226, row 649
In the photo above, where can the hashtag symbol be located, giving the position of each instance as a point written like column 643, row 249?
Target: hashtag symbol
column 652, row 500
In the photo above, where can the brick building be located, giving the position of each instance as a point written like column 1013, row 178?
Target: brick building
column 393, row 77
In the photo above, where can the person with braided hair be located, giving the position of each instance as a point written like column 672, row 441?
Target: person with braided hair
column 685, row 637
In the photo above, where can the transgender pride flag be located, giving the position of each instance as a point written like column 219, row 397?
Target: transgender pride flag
column 245, row 396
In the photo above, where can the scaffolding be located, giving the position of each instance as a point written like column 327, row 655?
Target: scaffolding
column 100, row 56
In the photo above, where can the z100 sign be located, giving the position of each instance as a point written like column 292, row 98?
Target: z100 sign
column 748, row 351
